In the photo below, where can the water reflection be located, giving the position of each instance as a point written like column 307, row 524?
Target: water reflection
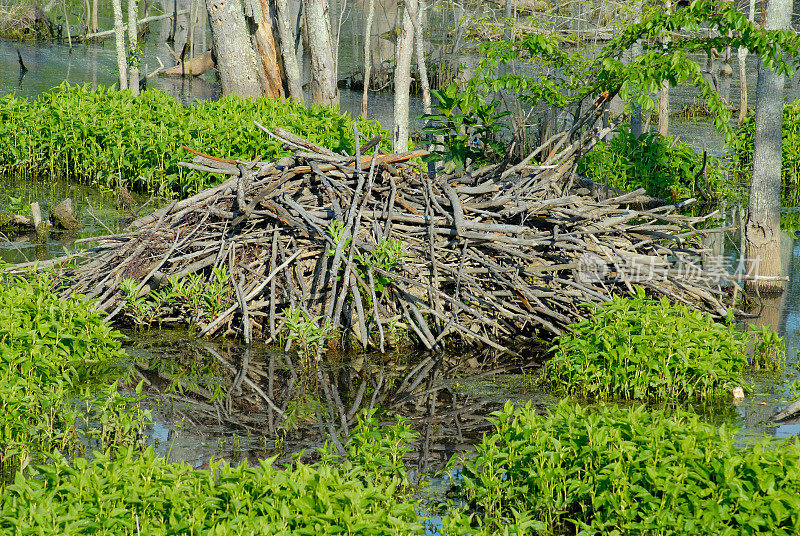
column 218, row 399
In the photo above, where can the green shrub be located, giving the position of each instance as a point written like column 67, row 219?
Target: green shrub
column 134, row 493
column 106, row 137
column 55, row 360
column 610, row 470
column 659, row 165
column 639, row 348
column 740, row 159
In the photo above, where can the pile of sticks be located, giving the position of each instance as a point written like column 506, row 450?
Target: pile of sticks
column 486, row 256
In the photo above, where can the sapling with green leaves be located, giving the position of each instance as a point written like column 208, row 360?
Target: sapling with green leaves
column 703, row 25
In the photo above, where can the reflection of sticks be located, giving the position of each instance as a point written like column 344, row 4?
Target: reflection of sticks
column 246, row 380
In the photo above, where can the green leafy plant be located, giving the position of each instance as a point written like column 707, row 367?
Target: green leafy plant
column 583, row 78
column 110, row 138
column 769, row 352
column 469, row 125
column 56, row 360
column 132, row 493
column 635, row 347
column 198, row 300
column 305, row 331
column 740, row 159
column 661, row 166
column 611, row 470
column 386, row 256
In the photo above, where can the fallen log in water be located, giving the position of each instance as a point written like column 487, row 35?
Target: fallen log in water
column 486, row 256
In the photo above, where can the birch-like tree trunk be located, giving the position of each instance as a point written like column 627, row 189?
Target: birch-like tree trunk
column 291, row 67
column 93, row 26
column 637, row 127
column 418, row 6
column 743, row 69
column 236, row 59
column 367, row 57
column 324, row 88
column 762, row 227
column 119, row 34
column 663, row 94
column 402, row 82
column 133, row 38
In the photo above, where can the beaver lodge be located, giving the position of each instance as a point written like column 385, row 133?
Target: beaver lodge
column 365, row 243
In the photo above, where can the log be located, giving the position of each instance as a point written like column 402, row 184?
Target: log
column 195, row 67
column 63, row 216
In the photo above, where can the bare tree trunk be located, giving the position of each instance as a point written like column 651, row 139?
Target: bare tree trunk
column 263, row 39
column 726, row 71
column 119, row 33
column 419, row 38
column 762, row 228
column 338, row 33
column 133, row 38
column 402, row 82
column 324, row 88
column 367, row 57
column 287, row 51
column 236, row 59
column 637, row 128
column 663, row 94
column 94, row 25
column 743, row 70
column 192, row 24
column 508, row 12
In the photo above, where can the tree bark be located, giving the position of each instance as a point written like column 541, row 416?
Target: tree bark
column 762, row 227
column 367, row 57
column 743, row 69
column 119, row 34
column 637, row 127
column 419, row 38
column 94, row 25
column 288, row 54
column 324, row 88
column 133, row 38
column 263, row 38
column 402, row 83
column 663, row 94
column 236, row 59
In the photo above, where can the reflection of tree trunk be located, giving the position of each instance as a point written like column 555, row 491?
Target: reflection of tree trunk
column 133, row 37
column 763, row 219
column 288, row 51
column 402, row 83
column 367, row 57
column 119, row 33
column 324, row 89
column 236, row 60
